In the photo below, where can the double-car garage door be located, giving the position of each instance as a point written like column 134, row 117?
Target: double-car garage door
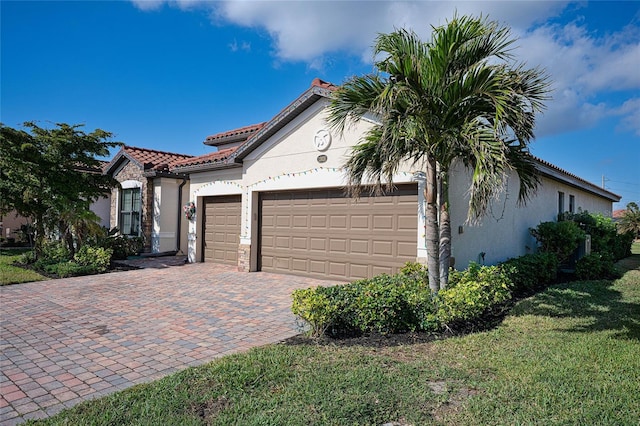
column 319, row 233
column 322, row 233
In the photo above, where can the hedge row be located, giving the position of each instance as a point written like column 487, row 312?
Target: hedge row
column 402, row 302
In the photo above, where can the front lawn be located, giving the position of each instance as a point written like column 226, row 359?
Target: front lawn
column 569, row 355
column 10, row 274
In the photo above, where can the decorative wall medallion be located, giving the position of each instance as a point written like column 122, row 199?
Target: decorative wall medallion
column 322, row 140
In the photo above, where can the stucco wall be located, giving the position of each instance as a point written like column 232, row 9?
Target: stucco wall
column 102, row 208
column 504, row 231
column 167, row 210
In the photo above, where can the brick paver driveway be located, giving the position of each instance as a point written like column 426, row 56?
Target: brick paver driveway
column 64, row 341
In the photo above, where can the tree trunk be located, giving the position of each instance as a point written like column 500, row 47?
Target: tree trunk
column 431, row 218
column 445, row 229
column 39, row 237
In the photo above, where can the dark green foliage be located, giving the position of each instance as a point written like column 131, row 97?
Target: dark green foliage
column 604, row 233
column 55, row 259
column 471, row 293
column 385, row 304
column 400, row 303
column 123, row 246
column 622, row 245
column 596, row 266
column 561, row 238
column 52, row 175
column 531, row 272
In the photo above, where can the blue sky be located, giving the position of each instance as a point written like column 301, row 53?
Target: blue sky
column 165, row 74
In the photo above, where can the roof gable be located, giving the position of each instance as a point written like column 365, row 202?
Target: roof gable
column 318, row 89
column 145, row 159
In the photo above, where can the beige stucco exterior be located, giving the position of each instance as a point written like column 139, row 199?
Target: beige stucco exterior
column 289, row 159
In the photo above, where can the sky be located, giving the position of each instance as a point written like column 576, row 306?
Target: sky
column 166, row 74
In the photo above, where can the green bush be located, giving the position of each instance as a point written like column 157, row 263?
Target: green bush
column 604, row 234
column 561, row 238
column 68, row 269
column 622, row 245
column 531, row 272
column 471, row 293
column 596, row 266
column 416, row 270
column 400, row 303
column 385, row 304
column 123, row 246
column 382, row 304
column 96, row 258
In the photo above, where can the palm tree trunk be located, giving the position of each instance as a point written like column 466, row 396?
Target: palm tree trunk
column 431, row 219
column 445, row 229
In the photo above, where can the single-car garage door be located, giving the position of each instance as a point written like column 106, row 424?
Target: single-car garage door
column 221, row 232
column 322, row 233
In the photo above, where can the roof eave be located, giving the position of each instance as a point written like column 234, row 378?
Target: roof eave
column 206, row 167
column 558, row 175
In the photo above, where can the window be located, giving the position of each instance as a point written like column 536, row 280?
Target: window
column 560, row 203
column 572, row 204
column 130, row 211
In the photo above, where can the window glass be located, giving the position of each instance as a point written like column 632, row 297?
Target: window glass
column 130, row 202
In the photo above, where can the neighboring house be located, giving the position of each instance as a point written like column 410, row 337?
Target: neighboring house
column 272, row 199
column 149, row 201
column 10, row 224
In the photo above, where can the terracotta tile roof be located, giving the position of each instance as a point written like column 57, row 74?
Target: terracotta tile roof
column 153, row 159
column 585, row 184
column 241, row 133
column 212, row 158
column 618, row 214
column 323, row 84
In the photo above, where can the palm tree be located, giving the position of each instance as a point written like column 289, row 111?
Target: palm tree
column 630, row 220
column 454, row 98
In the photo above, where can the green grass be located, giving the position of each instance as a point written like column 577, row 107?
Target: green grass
column 569, row 355
column 10, row 274
column 635, row 247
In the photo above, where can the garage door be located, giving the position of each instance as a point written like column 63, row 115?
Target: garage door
column 322, row 233
column 221, row 232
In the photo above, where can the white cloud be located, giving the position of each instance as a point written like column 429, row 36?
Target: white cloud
column 584, row 65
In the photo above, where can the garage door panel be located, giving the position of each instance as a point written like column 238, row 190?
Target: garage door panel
column 384, row 248
column 221, row 231
column 383, row 222
column 342, row 238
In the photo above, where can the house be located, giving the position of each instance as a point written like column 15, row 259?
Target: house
column 147, row 184
column 271, row 199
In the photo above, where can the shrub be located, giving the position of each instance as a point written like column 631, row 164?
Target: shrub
column 561, row 238
column 471, row 293
column 416, row 270
column 596, row 266
column 622, row 245
column 68, row 269
column 95, row 258
column 531, row 272
column 123, row 246
column 385, row 304
column 604, row 235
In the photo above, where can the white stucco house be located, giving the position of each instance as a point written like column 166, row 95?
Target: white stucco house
column 271, row 199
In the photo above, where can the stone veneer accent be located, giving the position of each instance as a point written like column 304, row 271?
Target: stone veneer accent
column 132, row 172
column 244, row 257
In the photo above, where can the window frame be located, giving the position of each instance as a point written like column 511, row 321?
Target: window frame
column 131, row 209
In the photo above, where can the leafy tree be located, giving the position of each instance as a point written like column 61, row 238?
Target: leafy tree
column 454, row 98
column 52, row 175
column 630, row 220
